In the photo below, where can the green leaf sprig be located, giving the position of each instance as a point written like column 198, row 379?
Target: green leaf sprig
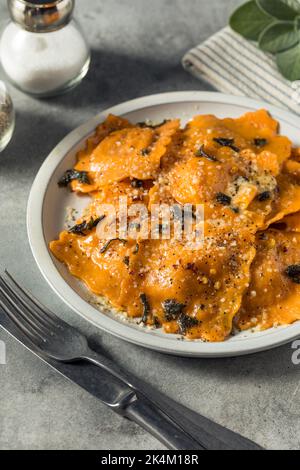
column 275, row 25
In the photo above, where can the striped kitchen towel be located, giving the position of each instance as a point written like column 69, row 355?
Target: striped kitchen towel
column 237, row 66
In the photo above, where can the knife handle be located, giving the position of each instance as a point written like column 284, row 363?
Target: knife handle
column 156, row 422
column 207, row 434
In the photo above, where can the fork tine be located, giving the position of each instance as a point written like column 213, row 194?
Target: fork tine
column 37, row 320
column 30, row 299
column 37, row 311
column 22, row 312
column 22, row 325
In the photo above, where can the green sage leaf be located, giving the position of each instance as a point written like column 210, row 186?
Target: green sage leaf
column 249, row 20
column 294, row 4
column 279, row 37
column 280, row 9
column 288, row 63
column 297, row 22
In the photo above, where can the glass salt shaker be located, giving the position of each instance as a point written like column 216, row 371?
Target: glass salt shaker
column 7, row 117
column 42, row 50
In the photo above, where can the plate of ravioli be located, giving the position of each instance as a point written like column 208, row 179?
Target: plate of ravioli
column 236, row 292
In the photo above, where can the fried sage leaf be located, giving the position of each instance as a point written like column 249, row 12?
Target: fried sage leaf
column 172, row 309
column 201, row 153
column 126, row 260
column 146, row 308
column 185, row 322
column 135, row 183
column 293, row 272
column 260, row 142
column 226, row 143
column 107, row 244
column 151, row 124
column 223, row 199
column 85, row 226
column 264, row 196
column 71, row 175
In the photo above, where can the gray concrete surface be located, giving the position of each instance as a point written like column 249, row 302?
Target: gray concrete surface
column 137, row 47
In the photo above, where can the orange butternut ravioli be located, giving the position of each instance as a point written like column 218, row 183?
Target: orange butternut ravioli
column 246, row 176
column 273, row 296
column 123, row 151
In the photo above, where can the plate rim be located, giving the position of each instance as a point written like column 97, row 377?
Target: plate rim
column 43, row 258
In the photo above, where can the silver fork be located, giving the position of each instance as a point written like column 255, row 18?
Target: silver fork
column 58, row 340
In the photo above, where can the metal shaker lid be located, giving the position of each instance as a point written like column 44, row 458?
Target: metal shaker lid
column 41, row 16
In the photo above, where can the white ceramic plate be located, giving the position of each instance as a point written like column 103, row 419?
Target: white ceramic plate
column 48, row 203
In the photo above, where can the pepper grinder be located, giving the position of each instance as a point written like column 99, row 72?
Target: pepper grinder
column 42, row 50
column 7, row 117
